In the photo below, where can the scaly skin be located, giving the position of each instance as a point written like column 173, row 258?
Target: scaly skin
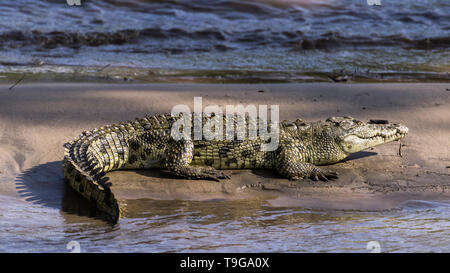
column 147, row 143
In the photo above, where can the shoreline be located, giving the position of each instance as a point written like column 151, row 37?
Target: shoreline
column 43, row 73
column 36, row 119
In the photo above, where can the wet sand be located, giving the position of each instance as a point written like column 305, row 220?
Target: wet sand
column 36, row 119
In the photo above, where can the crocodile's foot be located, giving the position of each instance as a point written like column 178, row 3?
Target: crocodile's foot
column 302, row 170
column 200, row 172
column 210, row 173
column 317, row 175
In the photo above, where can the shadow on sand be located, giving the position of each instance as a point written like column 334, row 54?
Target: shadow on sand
column 359, row 155
column 44, row 185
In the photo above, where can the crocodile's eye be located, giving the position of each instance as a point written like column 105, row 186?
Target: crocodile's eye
column 356, row 122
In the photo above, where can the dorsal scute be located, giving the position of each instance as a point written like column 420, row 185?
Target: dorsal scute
column 339, row 120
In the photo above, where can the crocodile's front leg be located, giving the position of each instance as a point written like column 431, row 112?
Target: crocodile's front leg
column 297, row 170
column 289, row 166
column 179, row 157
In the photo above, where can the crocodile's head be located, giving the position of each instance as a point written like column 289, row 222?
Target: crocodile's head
column 336, row 138
column 353, row 135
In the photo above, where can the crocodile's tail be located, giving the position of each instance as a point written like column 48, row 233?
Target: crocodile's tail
column 86, row 176
column 91, row 155
column 92, row 188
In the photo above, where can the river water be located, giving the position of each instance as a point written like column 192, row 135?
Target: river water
column 237, row 226
column 265, row 35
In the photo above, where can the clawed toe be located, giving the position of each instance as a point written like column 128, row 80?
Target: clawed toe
column 298, row 170
column 213, row 174
column 224, row 176
column 200, row 172
column 331, row 175
column 324, row 176
column 211, row 177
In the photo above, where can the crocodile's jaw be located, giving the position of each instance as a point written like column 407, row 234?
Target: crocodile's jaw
column 370, row 135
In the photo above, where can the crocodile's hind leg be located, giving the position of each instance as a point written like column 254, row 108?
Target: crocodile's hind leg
column 288, row 166
column 179, row 157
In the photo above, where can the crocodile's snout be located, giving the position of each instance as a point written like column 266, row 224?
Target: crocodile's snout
column 402, row 129
column 394, row 130
column 391, row 132
column 371, row 134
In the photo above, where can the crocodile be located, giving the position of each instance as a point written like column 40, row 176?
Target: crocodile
column 147, row 143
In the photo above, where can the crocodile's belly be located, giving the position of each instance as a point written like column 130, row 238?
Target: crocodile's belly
column 227, row 154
